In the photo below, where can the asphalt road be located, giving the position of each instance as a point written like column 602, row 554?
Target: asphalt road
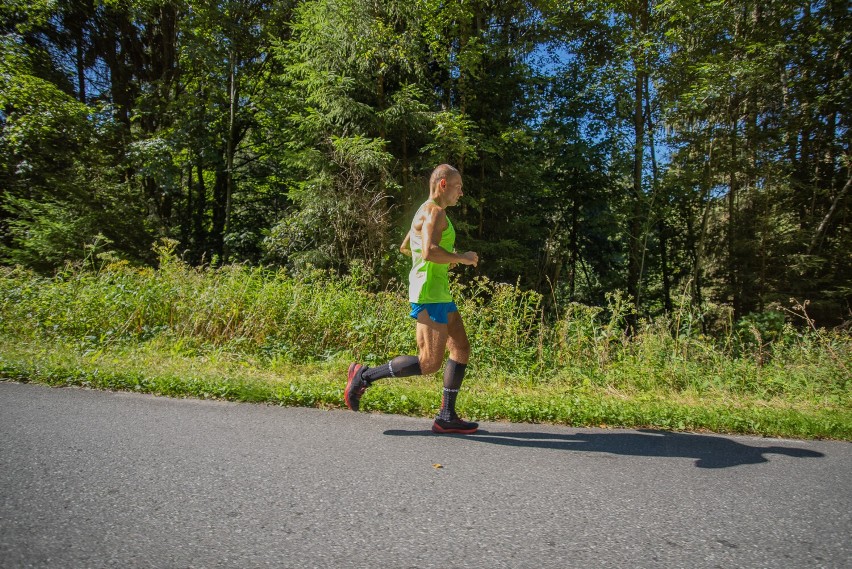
column 95, row 479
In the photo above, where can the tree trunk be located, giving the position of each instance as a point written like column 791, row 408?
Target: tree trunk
column 482, row 184
column 231, row 144
column 81, row 66
column 574, row 254
column 635, row 238
column 662, row 228
column 186, row 216
column 217, row 231
column 706, row 184
column 664, row 264
column 200, row 209
column 820, row 232
column 733, row 272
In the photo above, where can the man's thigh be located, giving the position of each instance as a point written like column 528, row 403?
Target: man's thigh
column 431, row 342
column 457, row 338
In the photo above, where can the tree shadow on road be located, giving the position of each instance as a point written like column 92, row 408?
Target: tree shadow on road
column 708, row 450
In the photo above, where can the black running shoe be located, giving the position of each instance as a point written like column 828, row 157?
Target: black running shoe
column 456, row 425
column 355, row 387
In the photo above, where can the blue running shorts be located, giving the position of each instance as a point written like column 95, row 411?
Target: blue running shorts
column 437, row 311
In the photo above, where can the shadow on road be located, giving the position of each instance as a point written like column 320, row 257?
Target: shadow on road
column 709, row 451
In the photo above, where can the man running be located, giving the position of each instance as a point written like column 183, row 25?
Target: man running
column 430, row 244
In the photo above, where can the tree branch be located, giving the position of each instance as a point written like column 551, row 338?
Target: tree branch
column 817, row 238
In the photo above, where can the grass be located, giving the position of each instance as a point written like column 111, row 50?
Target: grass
column 248, row 334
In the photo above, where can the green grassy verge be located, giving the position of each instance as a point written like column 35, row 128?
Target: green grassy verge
column 254, row 335
column 226, row 377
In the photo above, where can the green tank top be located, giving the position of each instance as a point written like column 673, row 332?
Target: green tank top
column 430, row 282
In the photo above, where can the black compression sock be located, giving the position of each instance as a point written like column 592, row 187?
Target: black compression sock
column 454, row 374
column 453, row 377
column 400, row 366
column 448, row 405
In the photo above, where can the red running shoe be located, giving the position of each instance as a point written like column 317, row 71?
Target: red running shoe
column 355, row 387
column 456, row 425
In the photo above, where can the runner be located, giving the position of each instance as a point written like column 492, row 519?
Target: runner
column 430, row 244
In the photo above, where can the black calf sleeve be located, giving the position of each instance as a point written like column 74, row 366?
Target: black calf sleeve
column 453, row 377
column 404, row 366
column 454, row 374
column 400, row 366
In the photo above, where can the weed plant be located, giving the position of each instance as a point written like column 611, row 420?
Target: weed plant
column 257, row 334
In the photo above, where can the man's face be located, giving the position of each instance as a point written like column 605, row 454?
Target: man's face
column 452, row 189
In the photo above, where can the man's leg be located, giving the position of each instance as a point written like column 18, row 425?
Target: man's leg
column 448, row 421
column 431, row 344
column 456, row 365
column 457, row 338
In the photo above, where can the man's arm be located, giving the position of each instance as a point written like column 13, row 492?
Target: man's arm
column 405, row 248
column 434, row 224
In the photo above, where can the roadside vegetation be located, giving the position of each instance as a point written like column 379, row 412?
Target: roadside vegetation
column 256, row 335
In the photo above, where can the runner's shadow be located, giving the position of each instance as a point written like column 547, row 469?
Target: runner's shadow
column 708, row 450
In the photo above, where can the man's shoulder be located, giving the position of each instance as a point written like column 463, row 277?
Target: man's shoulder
column 432, row 209
column 430, row 214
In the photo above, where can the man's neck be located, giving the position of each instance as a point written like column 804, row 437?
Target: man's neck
column 438, row 201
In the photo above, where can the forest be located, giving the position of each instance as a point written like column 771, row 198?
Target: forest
column 675, row 150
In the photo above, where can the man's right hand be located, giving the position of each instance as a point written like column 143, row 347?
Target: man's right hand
column 469, row 258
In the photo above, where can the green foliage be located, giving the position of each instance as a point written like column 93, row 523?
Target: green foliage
column 57, row 191
column 351, row 97
column 249, row 334
column 653, row 147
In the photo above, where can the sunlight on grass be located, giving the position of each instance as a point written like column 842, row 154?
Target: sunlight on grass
column 250, row 334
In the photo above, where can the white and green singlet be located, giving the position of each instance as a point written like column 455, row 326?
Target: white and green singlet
column 430, row 282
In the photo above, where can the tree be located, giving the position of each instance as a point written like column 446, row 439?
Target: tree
column 759, row 86
column 58, row 190
column 351, row 93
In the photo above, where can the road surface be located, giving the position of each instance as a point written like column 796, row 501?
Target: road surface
column 98, row 479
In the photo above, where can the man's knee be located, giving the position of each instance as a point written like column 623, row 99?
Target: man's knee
column 429, row 365
column 459, row 349
column 460, row 354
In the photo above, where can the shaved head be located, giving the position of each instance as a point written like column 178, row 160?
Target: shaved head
column 442, row 172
